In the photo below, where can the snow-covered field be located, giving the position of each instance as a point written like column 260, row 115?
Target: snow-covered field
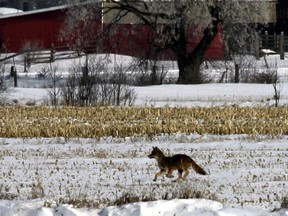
column 244, row 172
column 248, row 175
column 214, row 94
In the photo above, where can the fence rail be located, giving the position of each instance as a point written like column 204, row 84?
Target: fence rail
column 54, row 53
column 276, row 43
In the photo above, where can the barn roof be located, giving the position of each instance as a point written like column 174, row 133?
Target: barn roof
column 6, row 10
column 37, row 11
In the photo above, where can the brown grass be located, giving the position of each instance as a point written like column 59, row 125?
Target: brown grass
column 99, row 122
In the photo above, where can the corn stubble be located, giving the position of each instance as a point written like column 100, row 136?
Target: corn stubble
column 96, row 122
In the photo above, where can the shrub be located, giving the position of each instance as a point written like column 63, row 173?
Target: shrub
column 149, row 73
column 181, row 192
column 267, row 76
column 284, row 203
column 5, row 86
column 95, row 85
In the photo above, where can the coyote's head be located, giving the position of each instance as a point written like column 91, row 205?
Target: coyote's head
column 156, row 153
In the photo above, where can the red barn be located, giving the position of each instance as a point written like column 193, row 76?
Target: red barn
column 42, row 28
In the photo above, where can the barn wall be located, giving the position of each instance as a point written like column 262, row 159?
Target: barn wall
column 43, row 29
column 37, row 29
column 282, row 10
column 282, row 18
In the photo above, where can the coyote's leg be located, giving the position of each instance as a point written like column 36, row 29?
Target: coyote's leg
column 186, row 173
column 161, row 172
column 169, row 173
column 180, row 171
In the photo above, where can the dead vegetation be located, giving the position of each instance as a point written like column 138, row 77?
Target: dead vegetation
column 97, row 122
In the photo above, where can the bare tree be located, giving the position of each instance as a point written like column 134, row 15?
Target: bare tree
column 70, row 88
column 5, row 87
column 177, row 24
column 54, row 91
column 277, row 86
column 80, row 88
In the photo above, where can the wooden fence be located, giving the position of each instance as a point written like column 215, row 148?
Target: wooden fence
column 276, row 43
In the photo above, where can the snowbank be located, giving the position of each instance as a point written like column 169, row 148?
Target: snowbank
column 179, row 207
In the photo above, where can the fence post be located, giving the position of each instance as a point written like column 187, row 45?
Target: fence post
column 25, row 63
column 27, row 60
column 266, row 40
column 281, row 45
column 52, row 53
column 257, row 41
column 13, row 74
column 154, row 80
column 237, row 73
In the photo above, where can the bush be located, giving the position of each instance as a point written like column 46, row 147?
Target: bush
column 268, row 76
column 284, row 203
column 150, row 74
column 94, row 85
column 5, row 87
column 181, row 192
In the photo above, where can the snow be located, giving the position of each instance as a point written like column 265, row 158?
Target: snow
column 179, row 207
column 267, row 51
column 213, row 94
column 12, row 12
column 247, row 175
column 4, row 11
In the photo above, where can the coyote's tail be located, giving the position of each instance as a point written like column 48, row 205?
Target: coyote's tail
column 197, row 168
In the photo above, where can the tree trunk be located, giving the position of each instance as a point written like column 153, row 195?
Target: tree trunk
column 189, row 63
column 189, row 70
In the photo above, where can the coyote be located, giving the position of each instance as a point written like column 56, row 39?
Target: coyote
column 180, row 162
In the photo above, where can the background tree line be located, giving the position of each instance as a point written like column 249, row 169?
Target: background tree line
column 176, row 23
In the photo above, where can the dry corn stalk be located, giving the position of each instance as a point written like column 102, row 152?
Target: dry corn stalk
column 122, row 122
